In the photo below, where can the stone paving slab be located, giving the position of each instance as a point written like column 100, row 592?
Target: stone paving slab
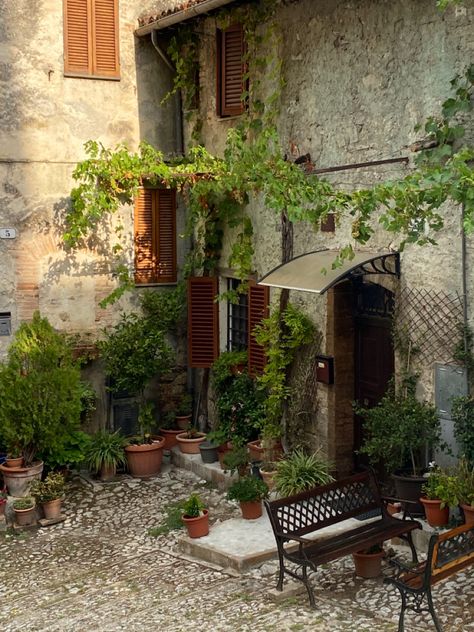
column 100, row 570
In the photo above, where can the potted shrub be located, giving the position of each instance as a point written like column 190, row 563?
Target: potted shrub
column 189, row 441
column 399, row 430
column 368, row 563
column 106, row 453
column 184, row 411
column 50, row 494
column 237, row 460
column 195, row 517
column 25, row 511
column 465, row 480
column 298, row 472
column 144, row 452
column 169, row 430
column 209, row 451
column 41, row 399
column 249, row 492
column 440, row 493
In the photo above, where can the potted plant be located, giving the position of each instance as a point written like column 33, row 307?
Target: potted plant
column 195, row 517
column 184, row 411
column 465, row 480
column 169, row 430
column 3, row 501
column 25, row 511
column 41, row 399
column 14, row 456
column 399, row 431
column 299, row 471
column 237, row 460
column 209, row 451
column 189, row 441
column 368, row 563
column 106, row 453
column 440, row 493
column 49, row 494
column 249, row 492
column 144, row 452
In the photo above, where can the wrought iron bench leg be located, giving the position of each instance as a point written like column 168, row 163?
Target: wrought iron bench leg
column 432, row 611
column 281, row 572
column 309, row 588
column 401, row 618
column 414, row 555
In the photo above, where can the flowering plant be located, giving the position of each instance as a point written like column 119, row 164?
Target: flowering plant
column 441, row 485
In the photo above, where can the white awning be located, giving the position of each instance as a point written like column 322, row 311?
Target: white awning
column 313, row 271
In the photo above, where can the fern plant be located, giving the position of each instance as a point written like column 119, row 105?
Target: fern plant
column 299, row 472
column 106, row 450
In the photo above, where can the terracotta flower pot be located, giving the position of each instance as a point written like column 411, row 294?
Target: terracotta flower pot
column 25, row 517
column 170, row 435
column 251, row 509
column 183, row 421
column 3, row 504
column 256, row 450
column 107, row 472
column 436, row 516
column 190, row 446
column 145, row 460
column 197, row 527
column 52, row 509
column 468, row 514
column 14, row 462
column 19, row 479
column 368, row 565
column 268, row 477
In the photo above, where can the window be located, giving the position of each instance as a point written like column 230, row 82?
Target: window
column 230, row 71
column 91, row 39
column 155, row 236
column 237, row 319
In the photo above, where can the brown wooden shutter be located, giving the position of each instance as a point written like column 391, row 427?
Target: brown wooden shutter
column 105, row 38
column 259, row 298
column 77, row 40
column 203, row 322
column 165, row 236
column 230, row 71
column 91, row 38
column 144, row 263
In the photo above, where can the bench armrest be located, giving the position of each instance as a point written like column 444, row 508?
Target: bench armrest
column 289, row 537
column 401, row 568
column 405, row 504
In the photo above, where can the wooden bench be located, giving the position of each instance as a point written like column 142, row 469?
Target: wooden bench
column 295, row 517
column 448, row 553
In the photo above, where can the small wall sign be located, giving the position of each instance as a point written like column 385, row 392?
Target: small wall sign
column 7, row 233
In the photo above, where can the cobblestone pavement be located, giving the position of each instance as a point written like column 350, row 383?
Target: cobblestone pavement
column 101, row 571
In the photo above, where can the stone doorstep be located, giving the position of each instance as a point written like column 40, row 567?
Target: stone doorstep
column 211, row 472
column 240, row 544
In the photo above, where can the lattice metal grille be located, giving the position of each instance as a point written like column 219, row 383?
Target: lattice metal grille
column 351, row 499
column 431, row 319
column 454, row 548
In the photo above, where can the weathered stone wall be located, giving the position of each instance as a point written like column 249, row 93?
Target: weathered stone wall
column 359, row 76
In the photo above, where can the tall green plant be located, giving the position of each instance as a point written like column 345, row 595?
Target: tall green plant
column 462, row 411
column 40, row 391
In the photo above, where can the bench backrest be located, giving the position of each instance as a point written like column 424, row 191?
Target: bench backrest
column 450, row 552
column 325, row 505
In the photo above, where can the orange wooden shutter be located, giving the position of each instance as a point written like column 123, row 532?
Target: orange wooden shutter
column 165, row 236
column 203, row 322
column 259, row 296
column 105, row 38
column 77, row 40
column 144, row 264
column 230, row 77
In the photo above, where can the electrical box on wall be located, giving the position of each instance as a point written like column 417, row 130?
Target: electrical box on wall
column 5, row 323
column 325, row 369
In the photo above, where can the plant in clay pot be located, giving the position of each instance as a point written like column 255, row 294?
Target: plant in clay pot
column 465, row 481
column 169, row 429
column 144, row 452
column 249, row 491
column 195, row 517
column 189, row 441
column 50, row 493
column 106, row 453
column 184, row 410
column 237, row 460
column 25, row 511
column 440, row 493
column 299, row 472
column 41, row 399
column 368, row 563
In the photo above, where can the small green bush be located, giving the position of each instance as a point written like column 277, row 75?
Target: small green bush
column 299, row 472
column 193, row 506
column 52, row 488
column 247, row 489
column 24, row 503
column 106, row 450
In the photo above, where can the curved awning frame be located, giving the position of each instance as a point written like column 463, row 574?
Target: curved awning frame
column 313, row 271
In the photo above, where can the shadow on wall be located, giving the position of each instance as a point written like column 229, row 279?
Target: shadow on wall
column 157, row 123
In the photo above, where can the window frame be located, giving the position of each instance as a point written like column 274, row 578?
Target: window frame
column 91, row 72
column 222, row 77
column 242, row 306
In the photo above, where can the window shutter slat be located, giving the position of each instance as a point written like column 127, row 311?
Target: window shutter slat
column 166, row 236
column 203, row 322
column 259, row 296
column 144, row 264
column 232, row 71
column 77, row 53
column 105, row 37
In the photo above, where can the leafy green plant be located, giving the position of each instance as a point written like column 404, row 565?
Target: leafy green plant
column 193, row 506
column 52, row 488
column 222, row 371
column 171, row 521
column 236, row 459
column 462, row 412
column 70, row 454
column 442, row 485
column 40, row 387
column 247, row 489
column 24, row 503
column 399, row 429
column 106, row 450
column 465, row 479
column 298, row 472
column 240, row 407
column 185, row 405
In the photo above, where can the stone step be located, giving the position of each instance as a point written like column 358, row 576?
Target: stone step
column 211, row 472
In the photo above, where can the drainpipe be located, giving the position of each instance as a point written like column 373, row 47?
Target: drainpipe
column 178, row 101
column 464, row 280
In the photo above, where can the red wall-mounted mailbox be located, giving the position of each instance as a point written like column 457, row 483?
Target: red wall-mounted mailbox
column 325, row 369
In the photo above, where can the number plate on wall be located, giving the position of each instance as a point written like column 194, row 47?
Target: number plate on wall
column 7, row 233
